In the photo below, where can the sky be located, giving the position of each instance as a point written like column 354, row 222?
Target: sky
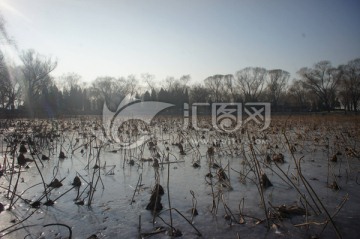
column 173, row 38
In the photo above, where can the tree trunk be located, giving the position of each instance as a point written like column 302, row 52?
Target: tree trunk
column 355, row 103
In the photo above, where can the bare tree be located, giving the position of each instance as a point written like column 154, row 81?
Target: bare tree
column 199, row 94
column 105, row 88
column 178, row 85
column 276, row 85
column 69, row 80
column 14, row 88
column 36, row 70
column 168, row 83
column 9, row 87
column 184, row 81
column 131, row 84
column 299, row 94
column 322, row 80
column 112, row 90
column 230, row 88
column 350, row 84
column 149, row 79
column 216, row 85
column 251, row 81
column 4, row 81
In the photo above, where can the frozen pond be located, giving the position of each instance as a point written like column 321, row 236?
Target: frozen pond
column 229, row 204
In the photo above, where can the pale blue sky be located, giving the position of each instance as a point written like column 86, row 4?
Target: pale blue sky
column 172, row 38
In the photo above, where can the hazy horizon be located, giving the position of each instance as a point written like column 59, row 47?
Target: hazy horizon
column 174, row 38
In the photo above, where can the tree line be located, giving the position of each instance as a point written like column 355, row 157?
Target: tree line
column 29, row 88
